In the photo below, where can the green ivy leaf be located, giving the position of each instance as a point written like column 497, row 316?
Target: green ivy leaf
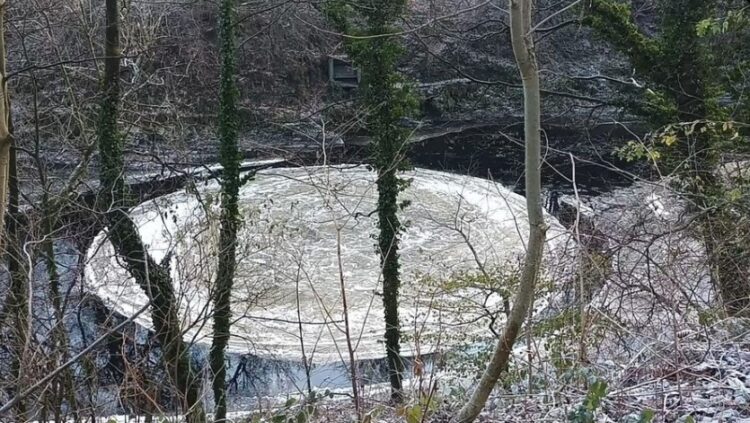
column 647, row 416
column 704, row 27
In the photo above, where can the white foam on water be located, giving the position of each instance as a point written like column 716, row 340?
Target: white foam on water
column 288, row 251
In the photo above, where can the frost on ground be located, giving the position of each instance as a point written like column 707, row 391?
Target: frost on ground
column 288, row 286
column 656, row 280
column 654, row 331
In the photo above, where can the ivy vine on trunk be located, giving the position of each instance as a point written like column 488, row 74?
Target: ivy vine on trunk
column 375, row 50
column 230, row 159
column 153, row 278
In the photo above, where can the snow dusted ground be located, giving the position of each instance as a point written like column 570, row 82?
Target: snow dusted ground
column 288, row 281
column 659, row 279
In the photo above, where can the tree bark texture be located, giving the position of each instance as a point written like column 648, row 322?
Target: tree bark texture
column 153, row 278
column 5, row 134
column 230, row 158
column 523, row 49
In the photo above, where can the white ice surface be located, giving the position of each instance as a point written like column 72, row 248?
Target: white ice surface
column 288, row 255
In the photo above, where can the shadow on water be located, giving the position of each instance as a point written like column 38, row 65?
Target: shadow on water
column 255, row 377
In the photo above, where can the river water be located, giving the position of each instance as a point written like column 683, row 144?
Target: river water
column 252, row 376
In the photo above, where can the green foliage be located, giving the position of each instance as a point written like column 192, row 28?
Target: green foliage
column 647, row 416
column 560, row 335
column 502, row 281
column 294, row 411
column 696, row 59
column 586, row 412
column 734, row 20
column 228, row 97
column 469, row 360
column 660, row 107
column 635, row 151
column 660, row 146
column 613, row 21
column 728, row 36
column 229, row 154
column 417, row 410
column 384, row 92
column 111, row 143
column 561, row 338
column 673, row 64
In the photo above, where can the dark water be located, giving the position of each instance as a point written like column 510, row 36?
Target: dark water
column 486, row 153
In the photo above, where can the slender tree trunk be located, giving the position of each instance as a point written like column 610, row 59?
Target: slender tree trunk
column 347, row 331
column 388, row 99
column 59, row 332
column 49, row 224
column 230, row 216
column 390, row 104
column 154, row 279
column 5, row 134
column 18, row 298
column 389, row 226
column 523, row 49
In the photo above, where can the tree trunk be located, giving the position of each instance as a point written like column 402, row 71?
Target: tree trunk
column 523, row 49
column 18, row 293
column 59, row 333
column 5, row 135
column 389, row 226
column 154, row 279
column 728, row 257
column 230, row 215
column 388, row 99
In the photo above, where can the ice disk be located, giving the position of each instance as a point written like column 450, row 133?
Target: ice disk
column 307, row 231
